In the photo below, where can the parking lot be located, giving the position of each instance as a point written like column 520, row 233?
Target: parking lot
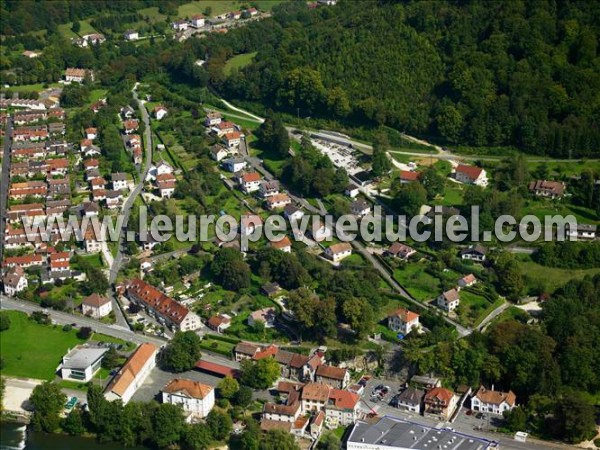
column 340, row 155
column 376, row 398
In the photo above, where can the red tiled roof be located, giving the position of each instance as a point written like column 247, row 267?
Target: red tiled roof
column 405, row 315
column 164, row 305
column 470, row 171
column 343, row 399
column 219, row 369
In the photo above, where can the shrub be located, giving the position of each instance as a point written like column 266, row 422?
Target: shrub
column 67, row 327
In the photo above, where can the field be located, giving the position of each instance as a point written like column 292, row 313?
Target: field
column 238, row 61
column 549, row 277
column 86, row 28
column 32, row 350
column 217, row 7
column 417, row 282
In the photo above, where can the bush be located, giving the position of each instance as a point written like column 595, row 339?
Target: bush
column 67, row 327
column 85, row 333
column 4, row 321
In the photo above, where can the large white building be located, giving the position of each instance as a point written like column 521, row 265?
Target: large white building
column 403, row 321
column 14, row 281
column 391, row 433
column 195, row 398
column 81, row 363
column 96, row 306
column 132, row 375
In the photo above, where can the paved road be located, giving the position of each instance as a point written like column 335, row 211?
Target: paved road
column 63, row 318
column 491, row 316
column 126, row 209
column 4, row 181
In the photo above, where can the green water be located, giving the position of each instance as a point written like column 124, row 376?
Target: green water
column 13, row 437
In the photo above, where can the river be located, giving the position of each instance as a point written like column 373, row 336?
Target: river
column 15, row 437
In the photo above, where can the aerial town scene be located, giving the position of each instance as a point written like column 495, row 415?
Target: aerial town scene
column 292, row 224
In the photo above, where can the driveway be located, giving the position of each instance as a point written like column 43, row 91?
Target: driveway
column 4, row 181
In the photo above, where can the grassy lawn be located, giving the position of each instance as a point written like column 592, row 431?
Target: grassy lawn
column 221, row 6
column 453, row 194
column 541, row 208
column 238, row 61
column 217, row 346
column 38, row 87
column 86, row 28
column 472, row 307
column 33, row 350
column 94, row 260
column 417, row 282
column 272, row 162
column 550, row 278
column 97, row 94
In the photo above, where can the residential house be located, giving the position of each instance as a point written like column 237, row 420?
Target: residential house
column 91, row 133
column 320, row 231
column 268, row 188
column 232, row 139
column 352, row 190
column 467, row 280
column 245, row 350
column 265, row 315
column 224, row 127
column 403, row 321
column 96, row 306
column 197, row 21
column 218, row 152
column 14, row 281
column 399, row 250
column 411, row 399
column 582, row 231
column 133, row 373
column 281, row 413
column 90, row 209
column 425, row 382
column 131, row 125
column 127, row 112
column 212, row 118
column 277, row 201
column 271, row 289
column 449, row 300
column 131, row 35
column 166, row 185
column 491, row 401
column 471, row 175
column 92, row 242
column 440, row 402
column 81, row 363
column 180, row 25
column 314, row 396
column 77, row 75
column 407, row 176
column 337, row 252
column 249, row 223
column 119, row 181
column 284, row 244
column 250, row 182
column 23, row 261
column 336, row 377
column 292, row 213
column 113, row 199
column 341, row 408
column 195, row 398
column 474, row 253
column 549, row 189
column 219, row 323
column 360, row 208
column 30, row 54
column 91, row 164
column 234, row 165
column 159, row 112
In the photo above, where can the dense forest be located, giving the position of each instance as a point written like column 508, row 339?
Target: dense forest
column 21, row 16
column 486, row 74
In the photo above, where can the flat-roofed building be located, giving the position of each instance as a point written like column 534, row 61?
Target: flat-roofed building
column 81, row 363
column 393, row 433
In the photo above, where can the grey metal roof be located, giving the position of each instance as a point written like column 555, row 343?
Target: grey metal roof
column 390, row 432
column 82, row 357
